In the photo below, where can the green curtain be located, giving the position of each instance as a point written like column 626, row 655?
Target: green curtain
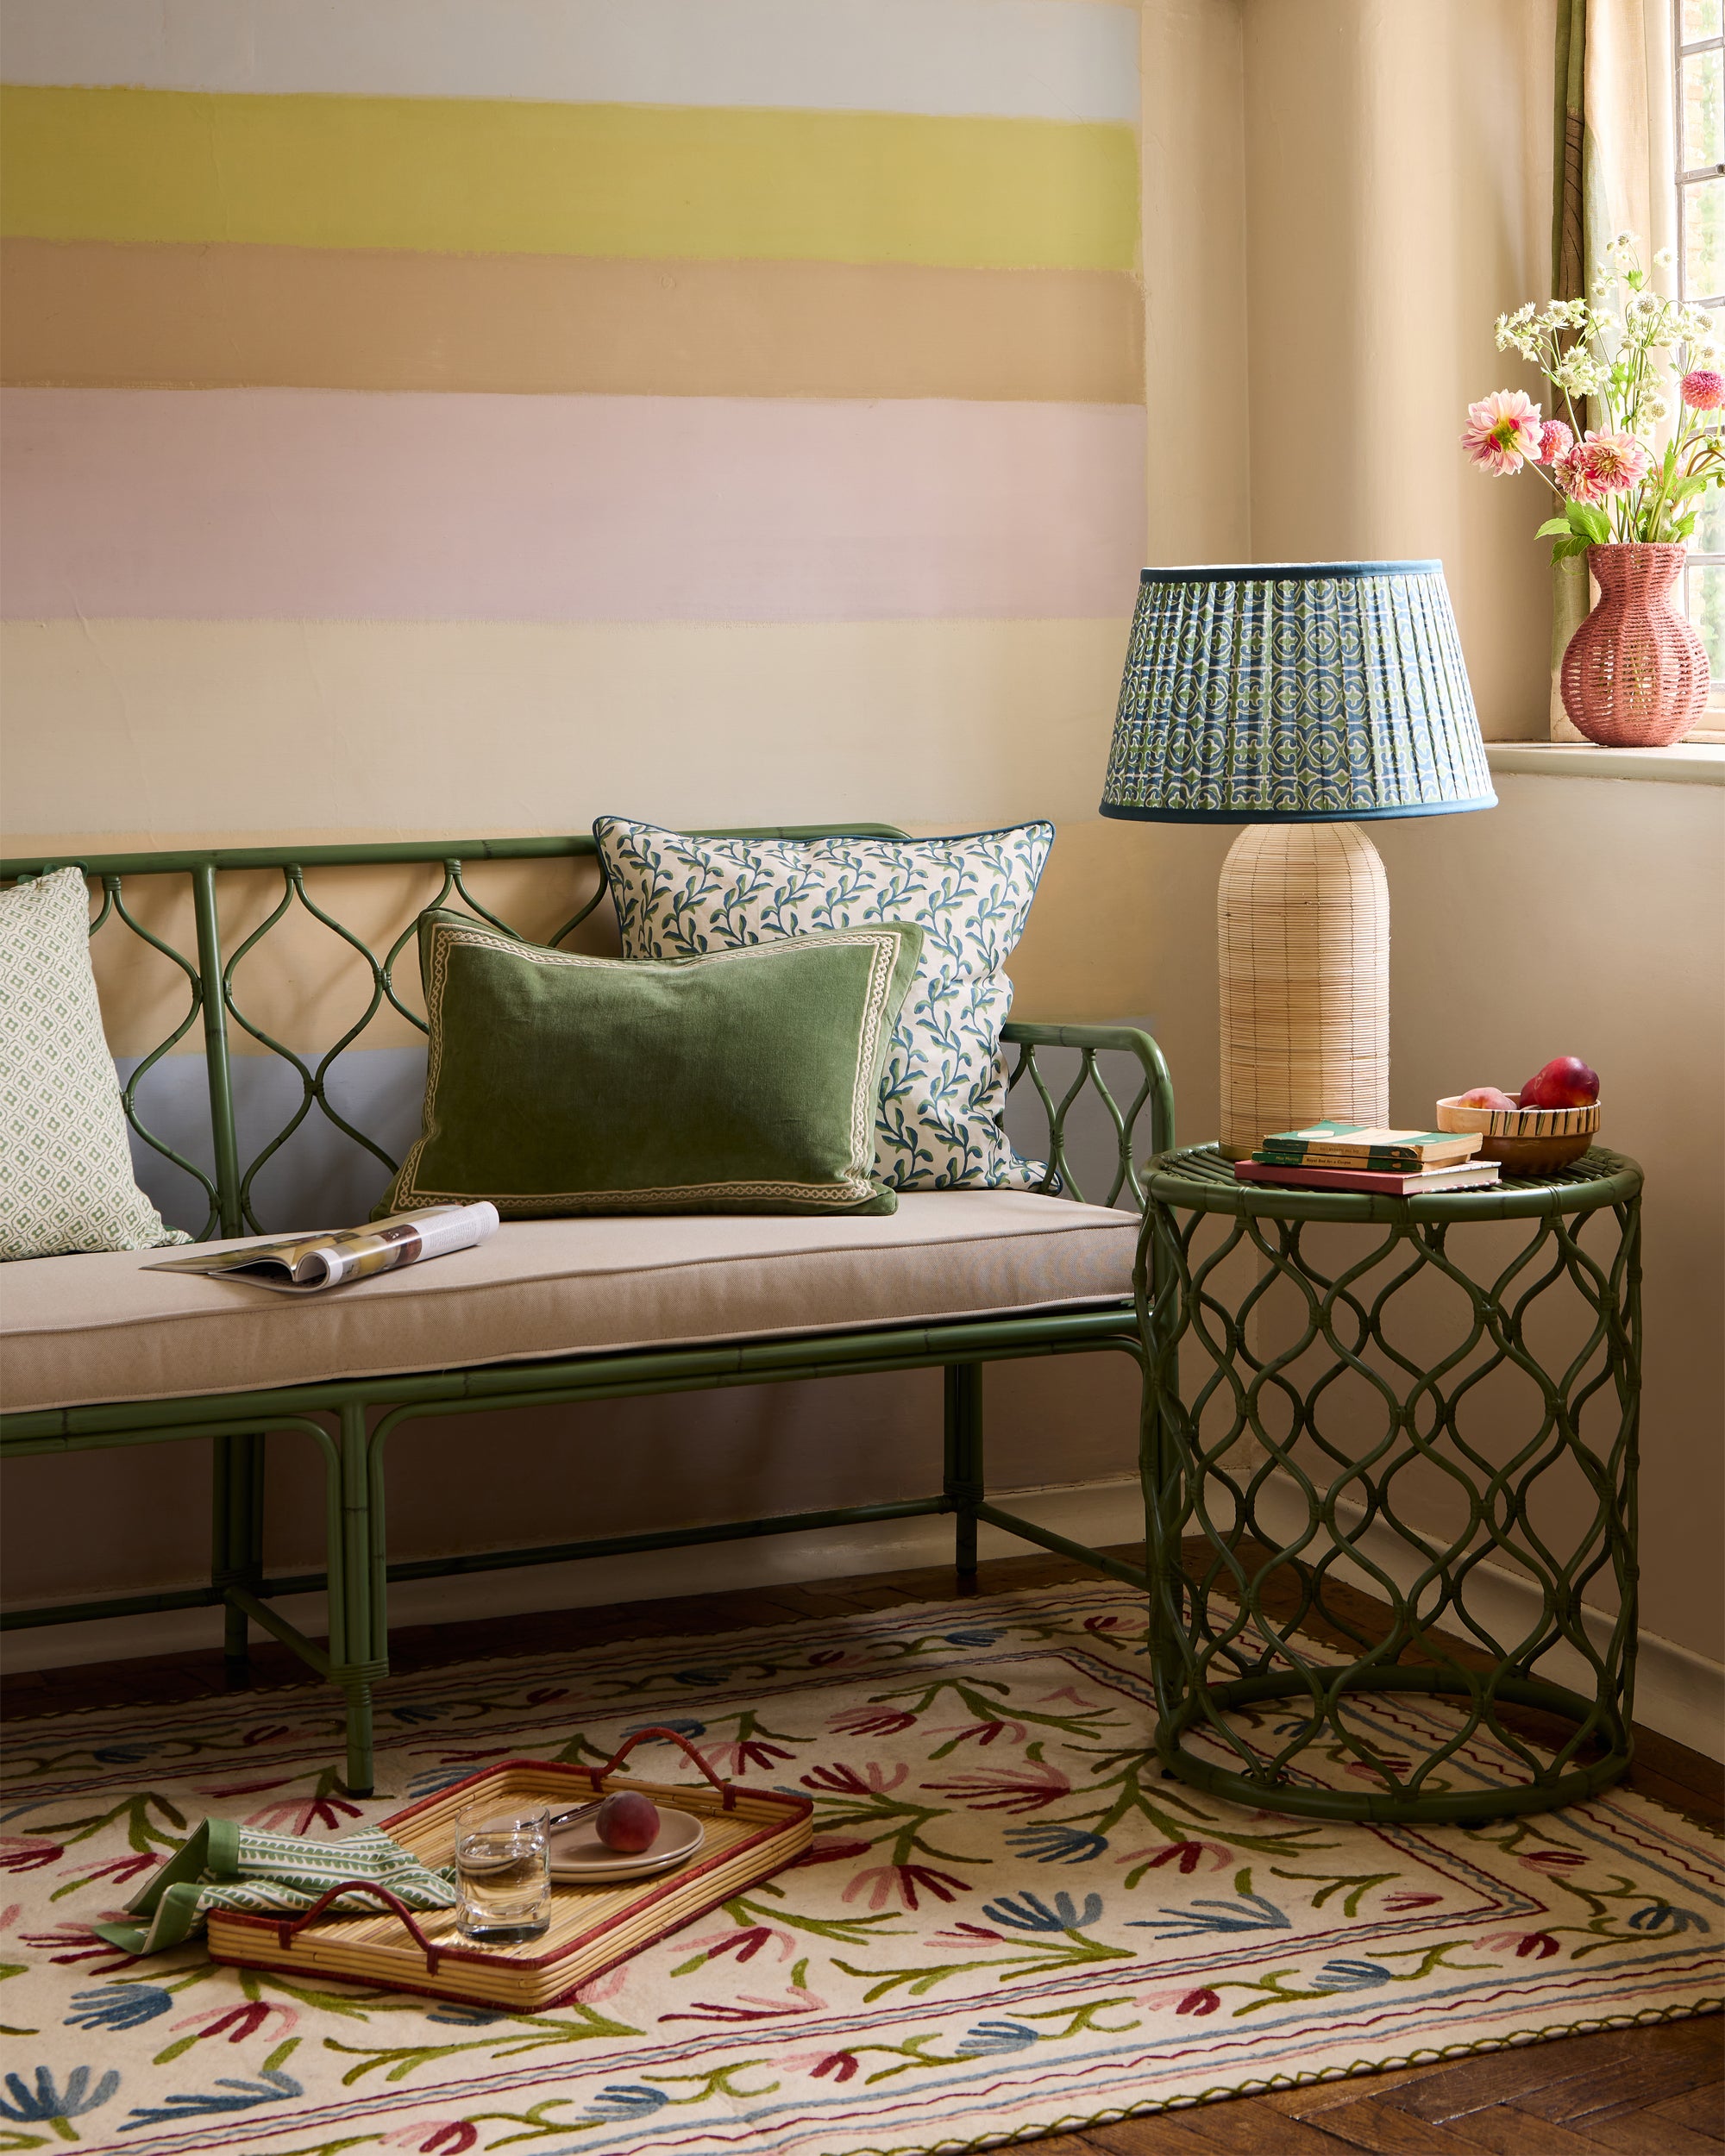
column 1613, row 169
column 1569, row 223
column 1571, row 597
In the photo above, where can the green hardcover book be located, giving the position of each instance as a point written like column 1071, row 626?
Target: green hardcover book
column 1366, row 1145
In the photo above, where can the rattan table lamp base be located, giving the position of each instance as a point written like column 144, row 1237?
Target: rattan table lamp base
column 1303, row 918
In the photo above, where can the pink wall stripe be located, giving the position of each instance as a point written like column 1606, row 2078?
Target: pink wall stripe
column 220, row 505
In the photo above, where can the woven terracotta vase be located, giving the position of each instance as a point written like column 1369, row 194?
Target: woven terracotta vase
column 1635, row 674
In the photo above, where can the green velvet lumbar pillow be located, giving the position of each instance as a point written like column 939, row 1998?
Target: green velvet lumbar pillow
column 745, row 1081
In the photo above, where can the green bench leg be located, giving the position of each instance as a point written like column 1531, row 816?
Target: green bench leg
column 356, row 1688
column 964, row 1463
column 236, row 1543
column 359, row 1631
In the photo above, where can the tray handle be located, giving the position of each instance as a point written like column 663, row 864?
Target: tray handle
column 597, row 1774
column 288, row 1926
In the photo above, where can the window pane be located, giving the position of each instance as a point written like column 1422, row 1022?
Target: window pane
column 1700, row 19
column 1707, row 611
column 1703, row 138
column 1703, row 239
column 1710, row 524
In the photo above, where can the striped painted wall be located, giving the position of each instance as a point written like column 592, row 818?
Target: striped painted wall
column 485, row 411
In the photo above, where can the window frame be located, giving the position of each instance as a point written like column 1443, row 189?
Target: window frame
column 1687, row 180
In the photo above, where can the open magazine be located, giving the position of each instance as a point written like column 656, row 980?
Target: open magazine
column 306, row 1265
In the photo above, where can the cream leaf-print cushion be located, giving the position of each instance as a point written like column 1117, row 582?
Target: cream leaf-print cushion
column 65, row 1166
column 944, row 1086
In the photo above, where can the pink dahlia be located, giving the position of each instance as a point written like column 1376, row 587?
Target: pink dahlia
column 1577, row 478
column 1618, row 459
column 1503, row 430
column 1603, row 465
column 1703, row 389
column 1555, row 442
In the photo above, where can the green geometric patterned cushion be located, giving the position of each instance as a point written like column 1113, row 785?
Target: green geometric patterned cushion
column 65, row 1166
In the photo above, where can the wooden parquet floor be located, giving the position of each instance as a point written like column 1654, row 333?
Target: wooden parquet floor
column 1656, row 2091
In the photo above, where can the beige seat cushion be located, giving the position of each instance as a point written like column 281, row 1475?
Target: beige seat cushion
column 75, row 1330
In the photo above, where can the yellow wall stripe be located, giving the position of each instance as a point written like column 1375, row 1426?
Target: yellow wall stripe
column 473, row 176
column 92, row 315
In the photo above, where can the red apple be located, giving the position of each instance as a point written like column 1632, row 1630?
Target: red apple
column 627, row 1822
column 1486, row 1097
column 1564, row 1083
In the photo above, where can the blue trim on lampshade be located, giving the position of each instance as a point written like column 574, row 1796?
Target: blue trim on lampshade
column 1287, row 572
column 1305, row 816
column 1317, row 692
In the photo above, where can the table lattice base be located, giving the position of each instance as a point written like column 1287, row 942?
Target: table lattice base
column 1359, row 1413
column 1280, row 1792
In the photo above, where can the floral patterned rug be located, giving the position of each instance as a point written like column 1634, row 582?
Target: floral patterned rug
column 1008, row 1924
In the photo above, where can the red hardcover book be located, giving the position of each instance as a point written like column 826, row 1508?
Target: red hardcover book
column 1381, row 1182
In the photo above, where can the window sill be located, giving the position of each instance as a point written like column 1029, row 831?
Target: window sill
column 1687, row 763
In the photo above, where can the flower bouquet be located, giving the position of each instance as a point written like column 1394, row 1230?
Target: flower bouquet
column 1636, row 674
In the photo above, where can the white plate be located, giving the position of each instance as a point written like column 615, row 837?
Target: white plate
column 579, row 1857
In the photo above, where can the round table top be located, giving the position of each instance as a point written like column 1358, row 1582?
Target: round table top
column 1198, row 1179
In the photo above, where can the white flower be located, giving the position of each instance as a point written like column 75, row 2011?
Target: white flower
column 1578, row 373
column 1662, row 258
column 1522, row 330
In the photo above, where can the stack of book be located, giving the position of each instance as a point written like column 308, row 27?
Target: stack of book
column 1354, row 1156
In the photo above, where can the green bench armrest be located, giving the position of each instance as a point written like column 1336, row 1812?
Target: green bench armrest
column 1152, row 1101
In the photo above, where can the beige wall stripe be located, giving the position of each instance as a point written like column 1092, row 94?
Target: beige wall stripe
column 90, row 314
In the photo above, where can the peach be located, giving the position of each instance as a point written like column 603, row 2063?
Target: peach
column 627, row 1822
column 1487, row 1097
column 1564, row 1083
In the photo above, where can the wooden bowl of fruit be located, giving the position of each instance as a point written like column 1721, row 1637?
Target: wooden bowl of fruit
column 1550, row 1122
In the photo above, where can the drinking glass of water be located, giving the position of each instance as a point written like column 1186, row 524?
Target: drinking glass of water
column 503, row 1863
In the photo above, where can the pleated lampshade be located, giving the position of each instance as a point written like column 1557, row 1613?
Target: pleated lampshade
column 1283, row 695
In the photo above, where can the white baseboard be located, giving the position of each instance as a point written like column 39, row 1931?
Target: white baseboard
column 1091, row 1513
column 1677, row 1692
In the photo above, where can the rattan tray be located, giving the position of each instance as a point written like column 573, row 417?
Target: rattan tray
column 750, row 1834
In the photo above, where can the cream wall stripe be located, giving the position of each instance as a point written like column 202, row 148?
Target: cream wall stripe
column 393, row 728
column 1032, row 59
column 263, row 504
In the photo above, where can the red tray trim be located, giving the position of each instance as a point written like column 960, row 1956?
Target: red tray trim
column 796, row 1807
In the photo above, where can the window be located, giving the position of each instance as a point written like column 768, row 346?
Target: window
column 1699, row 41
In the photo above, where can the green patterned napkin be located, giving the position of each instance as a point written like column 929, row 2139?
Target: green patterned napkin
column 227, row 1866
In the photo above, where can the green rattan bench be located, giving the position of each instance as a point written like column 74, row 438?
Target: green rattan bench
column 146, row 896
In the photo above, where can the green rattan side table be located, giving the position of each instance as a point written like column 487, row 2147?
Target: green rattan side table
column 1511, row 1438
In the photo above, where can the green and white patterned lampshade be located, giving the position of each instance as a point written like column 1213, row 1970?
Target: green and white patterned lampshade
column 1305, row 692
